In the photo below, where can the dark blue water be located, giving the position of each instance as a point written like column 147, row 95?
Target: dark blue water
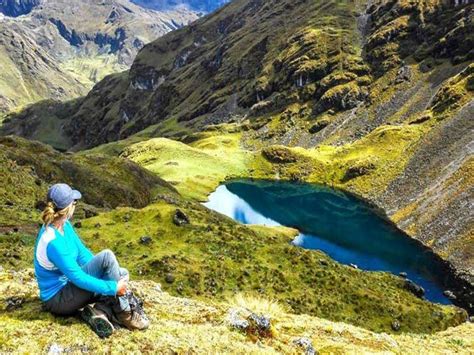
column 337, row 223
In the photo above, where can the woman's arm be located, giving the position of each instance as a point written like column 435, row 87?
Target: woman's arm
column 57, row 252
column 84, row 254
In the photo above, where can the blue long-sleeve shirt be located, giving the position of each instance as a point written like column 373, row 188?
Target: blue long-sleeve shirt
column 59, row 257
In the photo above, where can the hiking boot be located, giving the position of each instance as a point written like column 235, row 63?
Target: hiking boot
column 98, row 321
column 133, row 320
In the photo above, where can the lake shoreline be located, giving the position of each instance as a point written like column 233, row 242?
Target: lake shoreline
column 452, row 279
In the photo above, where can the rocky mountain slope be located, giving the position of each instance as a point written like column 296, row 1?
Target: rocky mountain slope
column 58, row 50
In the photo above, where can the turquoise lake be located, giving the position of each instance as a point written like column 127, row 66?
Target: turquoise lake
column 337, row 223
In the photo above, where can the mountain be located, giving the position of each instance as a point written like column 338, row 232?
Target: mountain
column 57, row 50
column 371, row 97
column 197, row 5
column 379, row 94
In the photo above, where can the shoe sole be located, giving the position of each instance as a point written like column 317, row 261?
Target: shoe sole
column 99, row 325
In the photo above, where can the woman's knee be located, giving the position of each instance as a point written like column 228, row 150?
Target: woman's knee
column 124, row 274
column 108, row 257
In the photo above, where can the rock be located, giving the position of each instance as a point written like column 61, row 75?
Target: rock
column 14, row 302
column 306, row 344
column 414, row 288
column 403, row 274
column 78, row 224
column 471, row 319
column 403, row 74
column 40, row 205
column 180, row 218
column 260, row 324
column 358, row 170
column 145, row 240
column 353, row 266
column 169, row 278
column 279, row 154
column 158, row 288
column 245, row 320
column 236, row 322
column 89, row 211
column 318, row 126
column 126, row 217
column 449, row 294
column 55, row 349
column 323, row 262
column 396, row 325
column 9, row 203
column 97, row 225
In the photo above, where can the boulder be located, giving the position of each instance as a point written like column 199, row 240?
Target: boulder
column 306, row 344
column 145, row 240
column 417, row 290
column 180, row 218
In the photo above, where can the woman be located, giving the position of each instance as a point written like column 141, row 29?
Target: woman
column 70, row 277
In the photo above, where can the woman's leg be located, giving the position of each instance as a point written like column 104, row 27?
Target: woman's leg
column 70, row 298
column 104, row 265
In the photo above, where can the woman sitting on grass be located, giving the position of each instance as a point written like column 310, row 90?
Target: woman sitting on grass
column 70, row 277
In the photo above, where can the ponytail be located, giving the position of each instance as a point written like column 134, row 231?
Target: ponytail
column 50, row 214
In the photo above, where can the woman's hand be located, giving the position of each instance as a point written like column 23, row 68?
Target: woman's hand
column 121, row 287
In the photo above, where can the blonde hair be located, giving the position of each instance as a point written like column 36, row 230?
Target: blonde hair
column 50, row 214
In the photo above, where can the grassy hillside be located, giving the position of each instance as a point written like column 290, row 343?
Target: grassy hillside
column 183, row 325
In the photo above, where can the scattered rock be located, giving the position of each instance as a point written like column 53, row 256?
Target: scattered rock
column 449, row 294
column 237, row 322
column 358, row 170
column 260, row 324
column 318, row 126
column 396, row 325
column 169, row 278
column 40, row 205
column 89, row 211
column 168, row 199
column 78, row 224
column 55, row 349
column 279, row 154
column 353, row 266
column 306, row 344
column 145, row 240
column 403, row 74
column 180, row 218
column 14, row 302
column 414, row 288
column 403, row 274
column 251, row 323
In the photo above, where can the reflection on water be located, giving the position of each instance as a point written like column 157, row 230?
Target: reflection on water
column 334, row 222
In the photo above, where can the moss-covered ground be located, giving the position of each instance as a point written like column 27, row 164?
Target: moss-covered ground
column 182, row 325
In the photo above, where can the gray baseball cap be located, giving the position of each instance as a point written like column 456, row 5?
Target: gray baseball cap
column 62, row 195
